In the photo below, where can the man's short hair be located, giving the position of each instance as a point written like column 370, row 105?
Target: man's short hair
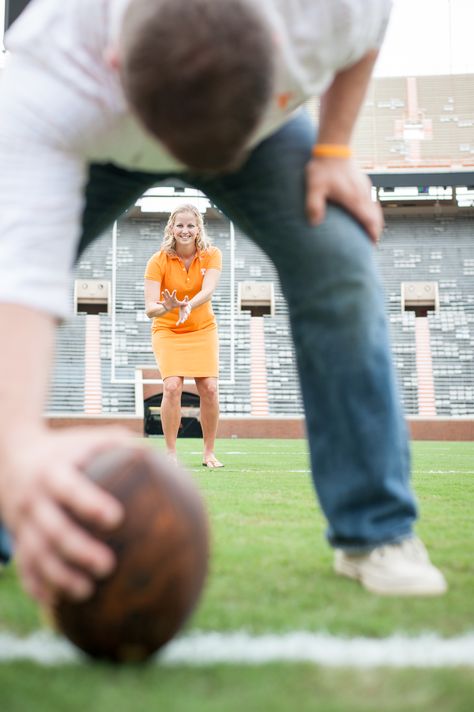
column 198, row 74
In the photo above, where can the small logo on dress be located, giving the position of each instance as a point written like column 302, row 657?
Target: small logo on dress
column 203, row 271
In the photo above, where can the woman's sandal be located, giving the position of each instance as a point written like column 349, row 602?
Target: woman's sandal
column 212, row 463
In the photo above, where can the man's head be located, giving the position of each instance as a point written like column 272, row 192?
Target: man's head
column 198, row 74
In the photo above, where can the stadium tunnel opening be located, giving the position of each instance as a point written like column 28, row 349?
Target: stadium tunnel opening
column 189, row 427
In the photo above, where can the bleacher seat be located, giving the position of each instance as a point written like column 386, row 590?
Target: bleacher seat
column 415, row 248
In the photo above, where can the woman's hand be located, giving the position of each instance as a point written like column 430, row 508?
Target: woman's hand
column 170, row 300
column 184, row 311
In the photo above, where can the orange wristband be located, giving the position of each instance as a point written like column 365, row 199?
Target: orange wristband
column 331, row 150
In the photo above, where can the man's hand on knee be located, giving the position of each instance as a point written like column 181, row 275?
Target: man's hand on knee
column 341, row 181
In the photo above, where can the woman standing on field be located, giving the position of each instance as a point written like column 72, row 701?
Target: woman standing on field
column 180, row 280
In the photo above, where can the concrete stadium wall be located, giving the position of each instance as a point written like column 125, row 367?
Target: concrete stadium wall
column 131, row 422
column 455, row 429
column 441, row 428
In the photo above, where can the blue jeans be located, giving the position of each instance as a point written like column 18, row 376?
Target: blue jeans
column 5, row 546
column 356, row 430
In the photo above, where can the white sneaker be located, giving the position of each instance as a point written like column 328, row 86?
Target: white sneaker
column 402, row 569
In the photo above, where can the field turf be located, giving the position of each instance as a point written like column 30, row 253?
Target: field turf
column 271, row 573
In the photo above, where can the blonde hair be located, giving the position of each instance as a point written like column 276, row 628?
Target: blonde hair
column 169, row 243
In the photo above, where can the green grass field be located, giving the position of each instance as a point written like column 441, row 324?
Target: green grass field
column 271, row 573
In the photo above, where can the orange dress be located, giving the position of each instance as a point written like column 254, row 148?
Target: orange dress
column 190, row 349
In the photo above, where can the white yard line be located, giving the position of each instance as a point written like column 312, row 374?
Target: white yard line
column 229, row 468
column 246, row 453
column 197, row 649
column 442, row 472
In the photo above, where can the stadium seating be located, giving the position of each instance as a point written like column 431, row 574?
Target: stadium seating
column 413, row 249
column 66, row 394
column 417, row 121
column 441, row 250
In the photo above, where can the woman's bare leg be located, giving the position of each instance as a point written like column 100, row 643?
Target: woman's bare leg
column 208, row 390
column 171, row 412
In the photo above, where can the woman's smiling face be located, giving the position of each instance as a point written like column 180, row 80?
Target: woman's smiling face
column 185, row 229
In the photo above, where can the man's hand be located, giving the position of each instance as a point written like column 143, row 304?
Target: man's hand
column 44, row 496
column 336, row 179
column 341, row 181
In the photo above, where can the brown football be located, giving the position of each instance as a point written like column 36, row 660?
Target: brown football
column 162, row 551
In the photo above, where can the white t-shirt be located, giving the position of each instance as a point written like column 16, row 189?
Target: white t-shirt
column 62, row 107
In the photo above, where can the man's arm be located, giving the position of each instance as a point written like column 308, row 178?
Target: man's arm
column 42, row 488
column 41, row 484
column 338, row 179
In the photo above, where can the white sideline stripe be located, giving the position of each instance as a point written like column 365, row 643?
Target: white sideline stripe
column 197, row 649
